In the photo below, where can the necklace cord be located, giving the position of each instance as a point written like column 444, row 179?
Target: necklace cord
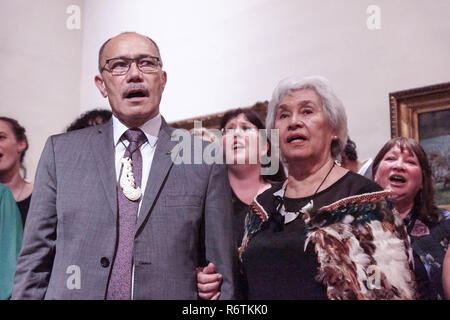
column 324, row 179
column 21, row 190
column 314, row 194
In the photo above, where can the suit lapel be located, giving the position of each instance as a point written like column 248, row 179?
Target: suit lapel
column 102, row 146
column 161, row 164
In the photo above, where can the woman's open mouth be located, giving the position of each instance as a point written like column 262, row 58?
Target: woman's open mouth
column 296, row 138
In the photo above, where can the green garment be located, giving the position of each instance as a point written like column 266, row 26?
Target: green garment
column 11, row 233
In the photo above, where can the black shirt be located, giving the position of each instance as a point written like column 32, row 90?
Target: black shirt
column 240, row 210
column 24, row 205
column 276, row 266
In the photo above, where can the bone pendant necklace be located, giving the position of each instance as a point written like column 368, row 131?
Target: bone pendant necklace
column 127, row 182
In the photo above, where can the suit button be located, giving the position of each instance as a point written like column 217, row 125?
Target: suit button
column 104, row 262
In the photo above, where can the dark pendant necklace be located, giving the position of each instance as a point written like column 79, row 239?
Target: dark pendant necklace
column 290, row 216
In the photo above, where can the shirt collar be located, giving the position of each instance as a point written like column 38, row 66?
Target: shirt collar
column 150, row 129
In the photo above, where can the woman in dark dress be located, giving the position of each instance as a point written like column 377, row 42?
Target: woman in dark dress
column 326, row 232
column 13, row 145
column 242, row 150
column 240, row 132
column 402, row 166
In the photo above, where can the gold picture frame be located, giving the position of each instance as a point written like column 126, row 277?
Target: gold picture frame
column 424, row 115
column 212, row 121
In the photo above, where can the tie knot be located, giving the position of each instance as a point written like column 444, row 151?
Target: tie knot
column 135, row 135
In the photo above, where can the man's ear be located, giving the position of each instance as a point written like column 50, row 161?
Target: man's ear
column 163, row 79
column 101, row 85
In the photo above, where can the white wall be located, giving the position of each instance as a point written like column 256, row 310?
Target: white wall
column 40, row 62
column 221, row 54
column 225, row 54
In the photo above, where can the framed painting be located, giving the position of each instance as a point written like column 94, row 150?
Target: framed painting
column 424, row 114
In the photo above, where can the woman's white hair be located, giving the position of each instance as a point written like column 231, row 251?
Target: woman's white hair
column 333, row 108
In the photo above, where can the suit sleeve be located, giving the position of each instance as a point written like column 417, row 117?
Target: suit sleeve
column 219, row 245
column 35, row 261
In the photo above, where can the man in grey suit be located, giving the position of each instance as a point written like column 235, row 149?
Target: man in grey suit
column 81, row 241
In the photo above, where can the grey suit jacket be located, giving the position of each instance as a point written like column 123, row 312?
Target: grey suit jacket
column 185, row 220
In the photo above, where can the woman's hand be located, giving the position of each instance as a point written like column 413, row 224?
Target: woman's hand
column 208, row 282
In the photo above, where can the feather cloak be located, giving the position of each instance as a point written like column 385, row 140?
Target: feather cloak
column 362, row 247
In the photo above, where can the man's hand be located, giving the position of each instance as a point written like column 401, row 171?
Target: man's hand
column 208, row 282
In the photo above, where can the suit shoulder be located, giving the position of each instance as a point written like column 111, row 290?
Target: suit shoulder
column 78, row 134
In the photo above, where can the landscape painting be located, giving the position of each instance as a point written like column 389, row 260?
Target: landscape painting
column 434, row 136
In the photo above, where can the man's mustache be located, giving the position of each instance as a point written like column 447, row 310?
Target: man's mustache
column 136, row 89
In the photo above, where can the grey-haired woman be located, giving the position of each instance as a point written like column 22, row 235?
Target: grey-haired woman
column 326, row 232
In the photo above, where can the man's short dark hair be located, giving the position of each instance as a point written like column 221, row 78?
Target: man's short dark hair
column 100, row 52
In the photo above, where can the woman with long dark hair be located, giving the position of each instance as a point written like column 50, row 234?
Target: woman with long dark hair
column 402, row 167
column 243, row 152
column 13, row 146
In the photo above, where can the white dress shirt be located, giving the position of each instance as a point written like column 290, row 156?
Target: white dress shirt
column 151, row 129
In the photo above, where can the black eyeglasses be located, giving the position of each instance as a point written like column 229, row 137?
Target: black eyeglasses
column 120, row 66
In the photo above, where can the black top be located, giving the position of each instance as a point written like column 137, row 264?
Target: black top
column 24, row 205
column 240, row 210
column 276, row 266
